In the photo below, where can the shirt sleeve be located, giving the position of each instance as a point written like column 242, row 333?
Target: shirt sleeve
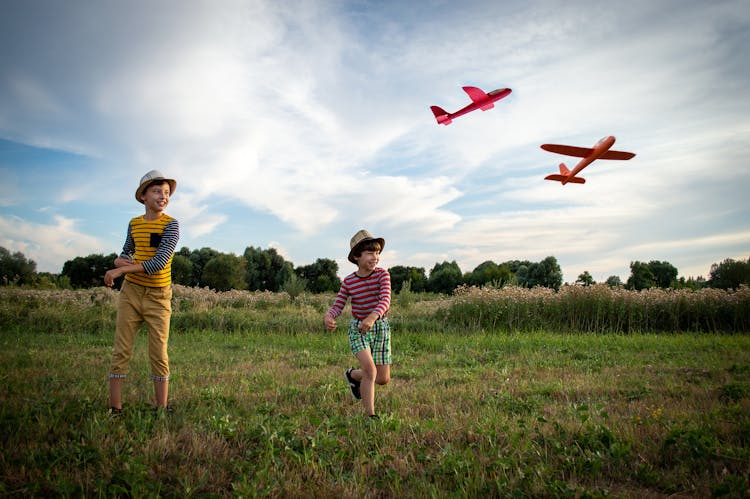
column 164, row 252
column 129, row 247
column 384, row 295
column 339, row 303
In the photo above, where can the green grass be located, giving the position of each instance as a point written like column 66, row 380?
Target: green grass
column 473, row 414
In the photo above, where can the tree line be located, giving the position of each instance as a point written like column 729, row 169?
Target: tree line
column 260, row 269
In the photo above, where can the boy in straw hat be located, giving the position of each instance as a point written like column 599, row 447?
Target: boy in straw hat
column 369, row 288
column 146, row 294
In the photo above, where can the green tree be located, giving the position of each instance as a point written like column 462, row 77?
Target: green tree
column 88, row 271
column 47, row 280
column 519, row 270
column 651, row 274
column 294, row 286
column 613, row 281
column 521, row 275
column 199, row 259
column 444, row 277
column 266, row 269
column 729, row 274
column 665, row 274
column 546, row 273
column 489, row 272
column 641, row 276
column 182, row 270
column 224, row 272
column 401, row 274
column 15, row 268
column 694, row 283
column 515, row 265
column 321, row 276
column 585, row 279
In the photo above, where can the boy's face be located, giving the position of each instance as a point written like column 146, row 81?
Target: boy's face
column 156, row 197
column 368, row 260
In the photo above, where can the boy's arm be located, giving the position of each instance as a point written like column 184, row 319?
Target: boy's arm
column 126, row 255
column 124, row 263
column 384, row 295
column 111, row 275
column 329, row 319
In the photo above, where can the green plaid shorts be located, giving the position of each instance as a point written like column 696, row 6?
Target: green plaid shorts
column 377, row 340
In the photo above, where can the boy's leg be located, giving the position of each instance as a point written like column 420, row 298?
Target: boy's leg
column 128, row 322
column 157, row 313
column 381, row 351
column 384, row 374
column 115, row 393
column 368, row 372
column 161, row 391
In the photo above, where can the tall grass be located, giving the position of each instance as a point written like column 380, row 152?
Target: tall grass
column 593, row 309
column 600, row 309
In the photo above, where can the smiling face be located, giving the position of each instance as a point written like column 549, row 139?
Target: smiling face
column 156, row 198
column 368, row 258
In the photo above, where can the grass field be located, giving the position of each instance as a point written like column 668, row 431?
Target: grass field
column 266, row 412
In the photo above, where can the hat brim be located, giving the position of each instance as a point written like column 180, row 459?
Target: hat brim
column 172, row 187
column 367, row 239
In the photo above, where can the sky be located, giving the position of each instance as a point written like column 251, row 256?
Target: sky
column 294, row 124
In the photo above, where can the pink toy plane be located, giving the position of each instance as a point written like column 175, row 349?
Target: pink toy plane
column 600, row 151
column 480, row 100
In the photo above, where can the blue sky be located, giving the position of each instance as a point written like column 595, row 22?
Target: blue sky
column 294, row 124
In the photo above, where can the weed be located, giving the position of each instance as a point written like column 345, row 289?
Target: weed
column 735, row 391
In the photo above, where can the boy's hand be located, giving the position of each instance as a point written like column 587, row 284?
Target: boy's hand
column 366, row 323
column 111, row 275
column 329, row 322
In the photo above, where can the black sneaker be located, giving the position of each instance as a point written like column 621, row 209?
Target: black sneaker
column 114, row 413
column 353, row 384
column 373, row 416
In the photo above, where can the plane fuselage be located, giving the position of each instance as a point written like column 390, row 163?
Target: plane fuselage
column 479, row 100
column 604, row 145
column 492, row 97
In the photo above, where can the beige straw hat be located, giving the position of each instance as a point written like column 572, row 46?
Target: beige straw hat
column 362, row 236
column 150, row 177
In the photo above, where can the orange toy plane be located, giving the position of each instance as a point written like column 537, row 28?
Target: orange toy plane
column 600, row 151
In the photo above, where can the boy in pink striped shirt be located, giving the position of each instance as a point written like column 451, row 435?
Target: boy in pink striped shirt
column 369, row 332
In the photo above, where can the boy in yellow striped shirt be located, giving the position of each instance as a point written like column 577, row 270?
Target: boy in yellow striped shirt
column 146, row 294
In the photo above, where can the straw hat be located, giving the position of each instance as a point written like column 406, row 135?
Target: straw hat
column 150, row 177
column 360, row 237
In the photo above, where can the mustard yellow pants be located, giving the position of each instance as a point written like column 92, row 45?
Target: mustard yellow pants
column 138, row 304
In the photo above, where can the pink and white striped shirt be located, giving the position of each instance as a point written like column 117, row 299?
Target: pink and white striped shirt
column 369, row 294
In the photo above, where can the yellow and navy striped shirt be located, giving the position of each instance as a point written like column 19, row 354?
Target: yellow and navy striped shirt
column 152, row 243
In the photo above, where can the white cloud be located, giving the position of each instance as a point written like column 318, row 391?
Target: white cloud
column 48, row 244
column 318, row 114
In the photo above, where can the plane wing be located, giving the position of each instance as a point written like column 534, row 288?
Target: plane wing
column 580, row 152
column 583, row 152
column 475, row 93
column 617, row 155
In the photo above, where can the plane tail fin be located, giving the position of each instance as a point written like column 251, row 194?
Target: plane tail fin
column 441, row 115
column 564, row 178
